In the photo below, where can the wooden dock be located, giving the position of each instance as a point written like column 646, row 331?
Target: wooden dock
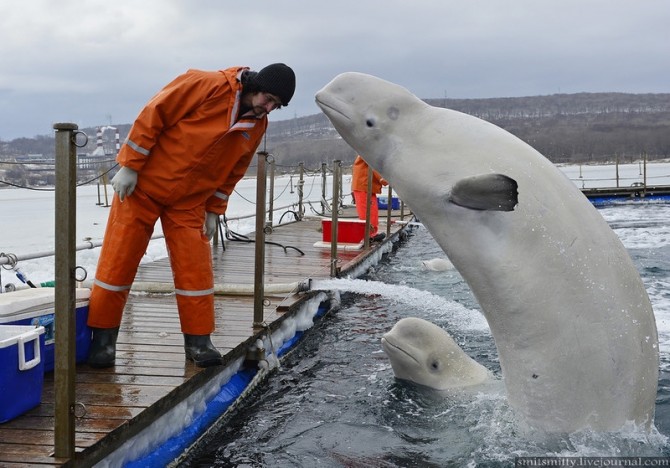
column 151, row 374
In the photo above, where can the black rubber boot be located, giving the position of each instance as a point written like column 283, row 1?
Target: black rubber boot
column 103, row 347
column 201, row 351
column 378, row 237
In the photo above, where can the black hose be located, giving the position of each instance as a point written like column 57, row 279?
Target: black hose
column 220, row 225
column 235, row 237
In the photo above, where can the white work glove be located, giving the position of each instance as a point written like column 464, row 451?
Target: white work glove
column 211, row 223
column 124, row 182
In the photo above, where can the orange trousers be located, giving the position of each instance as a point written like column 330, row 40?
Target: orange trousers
column 129, row 229
column 360, row 198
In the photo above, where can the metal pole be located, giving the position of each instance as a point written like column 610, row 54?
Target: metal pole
column 272, row 191
column 259, row 268
column 104, row 186
column 65, row 258
column 644, row 188
column 368, row 210
column 388, row 212
column 616, row 159
column 340, row 194
column 323, row 187
column 337, row 169
column 301, row 186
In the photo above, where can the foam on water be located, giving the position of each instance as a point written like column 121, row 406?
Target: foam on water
column 640, row 226
column 458, row 315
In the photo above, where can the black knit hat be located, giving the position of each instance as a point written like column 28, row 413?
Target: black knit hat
column 277, row 79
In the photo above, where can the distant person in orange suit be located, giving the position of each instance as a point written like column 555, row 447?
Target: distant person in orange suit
column 359, row 189
column 185, row 152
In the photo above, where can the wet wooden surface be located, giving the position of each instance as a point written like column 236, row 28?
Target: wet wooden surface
column 151, row 373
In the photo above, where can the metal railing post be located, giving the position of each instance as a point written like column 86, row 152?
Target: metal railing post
column 340, row 194
column 65, row 259
column 323, row 188
column 271, row 195
column 259, row 266
column 104, row 187
column 301, row 191
column 644, row 180
column 368, row 209
column 616, row 165
column 337, row 169
column 389, row 206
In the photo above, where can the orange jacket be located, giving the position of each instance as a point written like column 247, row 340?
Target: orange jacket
column 186, row 145
column 359, row 177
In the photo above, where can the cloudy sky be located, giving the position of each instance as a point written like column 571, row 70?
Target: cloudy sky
column 96, row 62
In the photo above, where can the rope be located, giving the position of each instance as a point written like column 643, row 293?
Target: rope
column 51, row 189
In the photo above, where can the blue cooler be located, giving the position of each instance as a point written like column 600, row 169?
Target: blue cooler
column 21, row 369
column 382, row 203
column 35, row 306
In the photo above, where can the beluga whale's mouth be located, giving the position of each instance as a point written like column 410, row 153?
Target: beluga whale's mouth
column 330, row 107
column 393, row 347
column 328, row 110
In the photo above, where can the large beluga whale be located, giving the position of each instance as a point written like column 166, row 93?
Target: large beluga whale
column 423, row 353
column 570, row 317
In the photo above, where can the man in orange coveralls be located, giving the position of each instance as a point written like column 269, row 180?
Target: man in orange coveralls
column 359, row 188
column 184, row 154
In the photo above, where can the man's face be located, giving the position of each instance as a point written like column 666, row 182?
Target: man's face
column 263, row 103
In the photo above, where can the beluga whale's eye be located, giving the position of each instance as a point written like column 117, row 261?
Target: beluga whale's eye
column 370, row 122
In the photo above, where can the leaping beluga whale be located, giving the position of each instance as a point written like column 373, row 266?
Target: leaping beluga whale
column 570, row 317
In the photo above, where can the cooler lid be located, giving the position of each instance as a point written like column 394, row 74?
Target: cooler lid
column 10, row 334
column 23, row 300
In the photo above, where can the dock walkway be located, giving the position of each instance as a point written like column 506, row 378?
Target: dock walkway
column 637, row 192
column 151, row 374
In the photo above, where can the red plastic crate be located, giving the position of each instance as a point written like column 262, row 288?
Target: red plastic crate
column 350, row 231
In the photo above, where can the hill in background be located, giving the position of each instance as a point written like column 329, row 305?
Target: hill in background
column 576, row 128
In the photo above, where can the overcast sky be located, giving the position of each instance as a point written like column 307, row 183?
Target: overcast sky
column 95, row 62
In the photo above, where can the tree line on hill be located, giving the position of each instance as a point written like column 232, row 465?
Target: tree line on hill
column 566, row 128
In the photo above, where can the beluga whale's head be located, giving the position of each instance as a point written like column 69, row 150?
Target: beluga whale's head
column 423, row 353
column 370, row 114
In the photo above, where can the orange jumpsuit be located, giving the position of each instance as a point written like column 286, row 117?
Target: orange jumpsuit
column 189, row 151
column 359, row 188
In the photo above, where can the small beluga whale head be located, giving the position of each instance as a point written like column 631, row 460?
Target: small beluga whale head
column 437, row 264
column 423, row 353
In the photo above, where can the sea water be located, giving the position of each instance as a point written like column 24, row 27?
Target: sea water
column 335, row 401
